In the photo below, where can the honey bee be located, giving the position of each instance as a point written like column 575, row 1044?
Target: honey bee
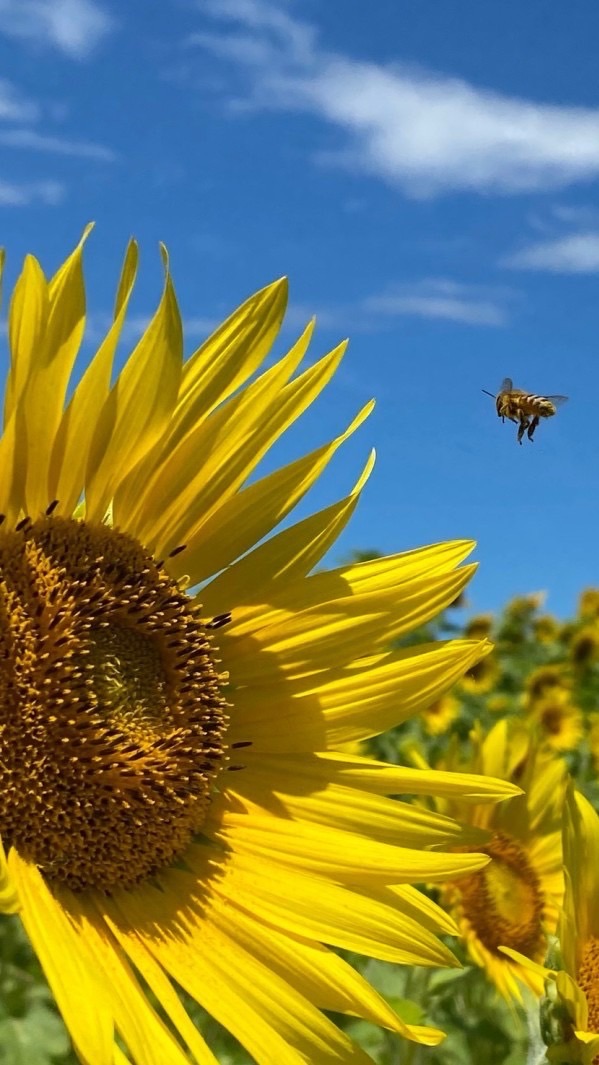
column 524, row 408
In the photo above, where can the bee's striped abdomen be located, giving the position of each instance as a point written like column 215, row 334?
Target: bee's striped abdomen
column 539, row 405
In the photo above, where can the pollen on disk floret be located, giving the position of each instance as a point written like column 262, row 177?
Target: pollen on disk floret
column 111, row 708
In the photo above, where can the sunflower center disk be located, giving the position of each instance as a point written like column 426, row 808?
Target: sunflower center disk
column 111, row 712
column 588, row 981
column 503, row 902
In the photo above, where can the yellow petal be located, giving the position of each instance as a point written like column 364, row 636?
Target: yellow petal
column 78, row 988
column 287, row 556
column 316, row 909
column 159, row 983
column 9, row 900
column 11, row 489
column 331, row 634
column 28, row 316
column 43, row 396
column 220, row 366
column 271, row 1020
column 318, row 707
column 395, row 780
column 581, row 859
column 231, row 354
column 146, row 1036
column 413, row 598
column 246, row 517
column 335, row 855
column 316, row 973
column 212, row 440
column 231, row 444
column 139, row 406
column 79, row 420
column 294, row 787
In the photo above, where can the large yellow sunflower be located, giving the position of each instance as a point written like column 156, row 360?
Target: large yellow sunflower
column 515, row 900
column 173, row 808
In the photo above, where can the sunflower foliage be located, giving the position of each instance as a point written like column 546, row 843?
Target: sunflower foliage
column 540, row 685
column 541, row 670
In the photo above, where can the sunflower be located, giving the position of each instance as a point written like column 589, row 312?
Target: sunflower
column 481, row 677
column 570, row 1010
column 584, row 646
column 437, row 717
column 546, row 629
column 175, row 811
column 588, row 603
column 478, row 627
column 498, row 704
column 515, row 901
column 558, row 719
column 543, row 680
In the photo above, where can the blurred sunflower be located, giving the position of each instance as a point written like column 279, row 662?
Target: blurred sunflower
column 515, row 900
column 481, row 677
column 542, row 680
column 136, row 858
column 588, row 604
column 559, row 721
column 478, row 627
column 437, row 717
column 584, row 646
column 546, row 629
column 498, row 704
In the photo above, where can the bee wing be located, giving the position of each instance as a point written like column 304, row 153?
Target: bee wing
column 507, row 385
column 557, row 400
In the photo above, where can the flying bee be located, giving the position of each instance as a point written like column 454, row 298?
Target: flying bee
column 524, row 408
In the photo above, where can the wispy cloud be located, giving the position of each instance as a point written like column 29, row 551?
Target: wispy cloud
column 74, row 27
column 42, row 142
column 14, row 107
column 420, row 130
column 442, row 298
column 433, row 298
column 575, row 253
column 50, row 193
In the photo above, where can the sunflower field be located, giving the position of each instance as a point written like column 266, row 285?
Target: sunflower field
column 253, row 809
column 527, row 711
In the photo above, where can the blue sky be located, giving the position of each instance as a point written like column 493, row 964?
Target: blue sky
column 426, row 173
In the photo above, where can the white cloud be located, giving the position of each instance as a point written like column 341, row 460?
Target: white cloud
column 74, row 27
column 575, row 253
column 433, row 298
column 50, row 193
column 423, row 131
column 43, row 142
column 444, row 299
column 13, row 106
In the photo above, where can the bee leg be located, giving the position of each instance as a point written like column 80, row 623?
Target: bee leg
column 524, row 423
column 532, row 427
